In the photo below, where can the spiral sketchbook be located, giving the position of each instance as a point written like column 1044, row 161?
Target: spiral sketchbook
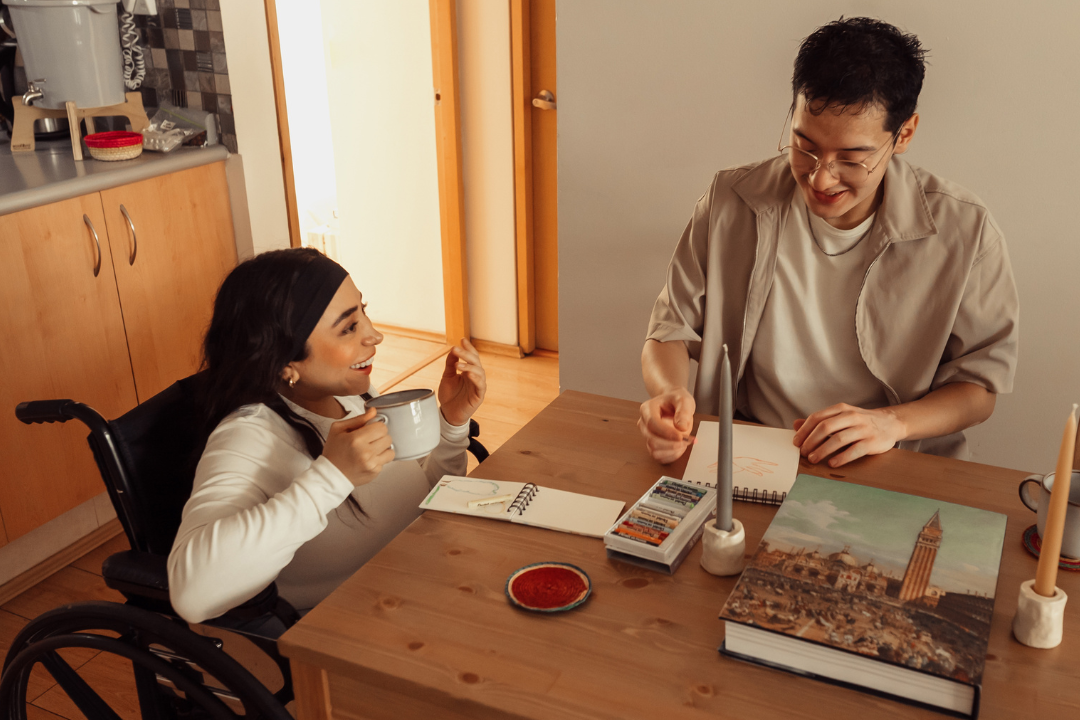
column 525, row 504
column 764, row 461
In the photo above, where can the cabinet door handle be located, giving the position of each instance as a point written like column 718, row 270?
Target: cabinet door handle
column 97, row 265
column 134, row 241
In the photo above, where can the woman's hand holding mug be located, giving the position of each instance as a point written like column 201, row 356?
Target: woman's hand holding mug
column 463, row 385
column 359, row 447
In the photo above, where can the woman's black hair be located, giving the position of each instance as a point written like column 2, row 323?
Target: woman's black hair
column 859, row 62
column 249, row 342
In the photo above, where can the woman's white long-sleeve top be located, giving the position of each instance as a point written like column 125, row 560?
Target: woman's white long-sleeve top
column 262, row 511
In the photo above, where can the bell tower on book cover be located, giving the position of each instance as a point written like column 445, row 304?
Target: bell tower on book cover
column 917, row 575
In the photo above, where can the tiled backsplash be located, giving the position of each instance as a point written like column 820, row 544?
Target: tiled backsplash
column 184, row 50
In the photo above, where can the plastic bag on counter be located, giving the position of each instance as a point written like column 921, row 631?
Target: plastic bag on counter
column 171, row 127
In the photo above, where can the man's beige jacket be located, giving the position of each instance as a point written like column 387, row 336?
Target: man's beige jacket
column 938, row 303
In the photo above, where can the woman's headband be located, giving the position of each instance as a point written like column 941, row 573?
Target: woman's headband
column 314, row 289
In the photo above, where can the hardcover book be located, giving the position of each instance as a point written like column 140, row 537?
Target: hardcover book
column 876, row 590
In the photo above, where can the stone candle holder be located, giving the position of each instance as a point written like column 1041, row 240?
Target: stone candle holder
column 723, row 553
column 1038, row 619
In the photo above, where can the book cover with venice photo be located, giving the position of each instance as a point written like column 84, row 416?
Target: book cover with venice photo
column 888, row 576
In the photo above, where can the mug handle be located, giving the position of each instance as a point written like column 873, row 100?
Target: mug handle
column 1030, row 504
column 379, row 417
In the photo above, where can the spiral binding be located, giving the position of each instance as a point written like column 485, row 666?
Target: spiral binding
column 521, row 502
column 134, row 64
column 754, row 495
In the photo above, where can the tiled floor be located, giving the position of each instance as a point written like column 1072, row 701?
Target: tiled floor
column 517, row 390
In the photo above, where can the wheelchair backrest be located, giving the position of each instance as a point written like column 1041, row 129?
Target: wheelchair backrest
column 158, row 446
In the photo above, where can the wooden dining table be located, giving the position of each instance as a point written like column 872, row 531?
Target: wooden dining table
column 425, row 629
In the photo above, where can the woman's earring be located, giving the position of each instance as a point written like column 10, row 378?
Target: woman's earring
column 292, row 383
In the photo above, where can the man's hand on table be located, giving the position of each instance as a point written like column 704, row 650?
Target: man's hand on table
column 666, row 421
column 847, row 433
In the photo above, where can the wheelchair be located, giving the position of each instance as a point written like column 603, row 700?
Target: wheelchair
column 147, row 460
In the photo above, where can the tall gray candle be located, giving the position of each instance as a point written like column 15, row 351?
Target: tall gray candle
column 724, row 455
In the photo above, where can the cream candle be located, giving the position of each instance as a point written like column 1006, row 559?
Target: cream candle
column 1046, row 575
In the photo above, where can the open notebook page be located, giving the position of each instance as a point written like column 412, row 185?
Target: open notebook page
column 763, row 458
column 453, row 494
column 570, row 512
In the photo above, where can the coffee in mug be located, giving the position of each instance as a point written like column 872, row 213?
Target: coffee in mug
column 412, row 417
column 1035, row 494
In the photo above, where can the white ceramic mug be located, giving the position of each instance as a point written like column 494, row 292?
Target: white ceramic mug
column 1039, row 500
column 412, row 417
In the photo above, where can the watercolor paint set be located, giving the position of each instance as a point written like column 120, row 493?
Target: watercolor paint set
column 662, row 526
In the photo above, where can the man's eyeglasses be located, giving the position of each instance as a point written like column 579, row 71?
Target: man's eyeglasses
column 846, row 171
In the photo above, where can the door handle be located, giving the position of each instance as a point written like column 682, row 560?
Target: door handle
column 544, row 100
column 134, row 240
column 97, row 265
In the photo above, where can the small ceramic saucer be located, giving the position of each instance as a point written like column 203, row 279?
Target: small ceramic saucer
column 1032, row 543
column 548, row 587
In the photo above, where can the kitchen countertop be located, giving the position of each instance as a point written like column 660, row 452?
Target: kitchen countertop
column 50, row 173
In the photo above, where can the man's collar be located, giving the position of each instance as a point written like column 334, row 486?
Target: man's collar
column 903, row 214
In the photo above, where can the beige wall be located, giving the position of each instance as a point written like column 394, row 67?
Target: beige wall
column 488, row 142
column 303, row 63
column 381, row 110
column 655, row 97
column 244, row 24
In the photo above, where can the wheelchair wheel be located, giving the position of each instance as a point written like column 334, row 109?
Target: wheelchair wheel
column 177, row 674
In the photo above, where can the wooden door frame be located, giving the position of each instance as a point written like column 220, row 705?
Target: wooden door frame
column 447, row 99
column 521, row 92
column 284, row 141
column 447, row 104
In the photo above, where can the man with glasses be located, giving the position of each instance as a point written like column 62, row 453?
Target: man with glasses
column 866, row 303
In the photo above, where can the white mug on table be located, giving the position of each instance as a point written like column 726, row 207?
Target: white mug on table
column 412, row 417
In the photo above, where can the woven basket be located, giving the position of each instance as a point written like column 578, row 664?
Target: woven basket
column 116, row 145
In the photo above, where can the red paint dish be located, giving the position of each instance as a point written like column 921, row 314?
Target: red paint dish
column 548, row 587
column 113, row 139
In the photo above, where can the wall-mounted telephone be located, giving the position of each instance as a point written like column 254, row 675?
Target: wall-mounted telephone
column 134, row 64
column 140, row 7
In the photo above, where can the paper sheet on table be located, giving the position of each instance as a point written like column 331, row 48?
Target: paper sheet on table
column 763, row 458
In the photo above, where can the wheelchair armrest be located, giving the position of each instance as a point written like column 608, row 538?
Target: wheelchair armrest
column 137, row 573
column 146, row 576
column 267, row 602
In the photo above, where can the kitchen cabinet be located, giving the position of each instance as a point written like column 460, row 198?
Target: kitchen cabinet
column 172, row 241
column 108, row 339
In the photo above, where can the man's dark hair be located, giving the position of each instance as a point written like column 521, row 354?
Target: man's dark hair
column 858, row 62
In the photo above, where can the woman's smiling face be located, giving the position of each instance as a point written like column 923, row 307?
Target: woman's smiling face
column 340, row 354
column 835, row 134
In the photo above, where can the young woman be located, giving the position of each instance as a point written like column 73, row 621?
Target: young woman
column 296, row 484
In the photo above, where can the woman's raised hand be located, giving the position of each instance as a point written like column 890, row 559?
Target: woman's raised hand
column 359, row 447
column 463, row 384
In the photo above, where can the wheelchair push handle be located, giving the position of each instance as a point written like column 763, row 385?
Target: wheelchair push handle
column 44, row 411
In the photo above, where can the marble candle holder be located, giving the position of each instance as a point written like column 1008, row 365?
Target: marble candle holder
column 723, row 553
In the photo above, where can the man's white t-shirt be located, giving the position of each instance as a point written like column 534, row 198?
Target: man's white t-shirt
column 806, row 353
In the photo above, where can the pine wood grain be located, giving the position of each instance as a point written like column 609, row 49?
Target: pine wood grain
column 545, row 175
column 70, row 344
column 111, row 677
column 66, row 586
column 427, row 622
column 447, row 106
column 183, row 249
column 40, row 680
column 76, row 551
column 521, row 91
